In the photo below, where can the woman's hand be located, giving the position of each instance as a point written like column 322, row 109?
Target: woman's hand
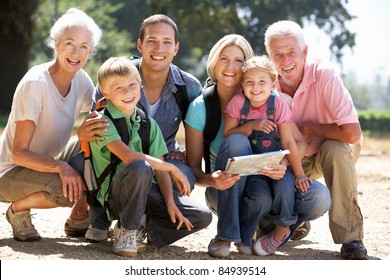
column 222, row 180
column 72, row 183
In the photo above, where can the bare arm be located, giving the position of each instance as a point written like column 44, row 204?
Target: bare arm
column 347, row 133
column 72, row 182
column 165, row 185
column 288, row 142
column 194, row 150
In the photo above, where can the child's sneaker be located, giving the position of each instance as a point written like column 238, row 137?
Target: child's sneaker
column 140, row 237
column 94, row 234
column 267, row 244
column 22, row 227
column 126, row 244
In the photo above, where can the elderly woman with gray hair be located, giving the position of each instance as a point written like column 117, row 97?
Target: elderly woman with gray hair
column 36, row 144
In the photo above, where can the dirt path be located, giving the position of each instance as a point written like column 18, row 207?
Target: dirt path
column 374, row 193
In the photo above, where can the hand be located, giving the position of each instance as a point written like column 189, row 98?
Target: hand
column 223, row 181
column 177, row 217
column 91, row 127
column 181, row 181
column 263, row 125
column 277, row 173
column 303, row 183
column 72, row 183
column 179, row 155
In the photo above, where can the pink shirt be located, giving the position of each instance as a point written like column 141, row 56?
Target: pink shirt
column 321, row 98
column 282, row 112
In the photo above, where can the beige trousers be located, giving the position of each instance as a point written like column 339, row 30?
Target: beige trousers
column 335, row 161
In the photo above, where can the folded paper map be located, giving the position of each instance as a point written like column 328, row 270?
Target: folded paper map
column 253, row 164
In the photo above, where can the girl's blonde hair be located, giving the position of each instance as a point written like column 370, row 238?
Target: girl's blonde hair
column 262, row 62
column 114, row 67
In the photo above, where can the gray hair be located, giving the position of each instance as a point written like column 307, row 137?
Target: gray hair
column 75, row 17
column 284, row 28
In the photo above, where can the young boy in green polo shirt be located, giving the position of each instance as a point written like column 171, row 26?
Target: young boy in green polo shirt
column 126, row 196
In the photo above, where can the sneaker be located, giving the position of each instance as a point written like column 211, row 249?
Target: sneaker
column 302, row 231
column 267, row 244
column 126, row 244
column 354, row 250
column 140, row 238
column 94, row 235
column 22, row 227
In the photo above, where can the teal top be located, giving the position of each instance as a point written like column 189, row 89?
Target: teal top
column 101, row 154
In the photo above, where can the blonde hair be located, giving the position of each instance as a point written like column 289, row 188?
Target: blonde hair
column 262, row 62
column 75, row 17
column 114, row 67
column 226, row 41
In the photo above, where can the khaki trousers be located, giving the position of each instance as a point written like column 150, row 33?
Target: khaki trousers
column 335, row 161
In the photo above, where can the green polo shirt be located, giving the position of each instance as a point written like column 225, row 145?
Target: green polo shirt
column 101, row 155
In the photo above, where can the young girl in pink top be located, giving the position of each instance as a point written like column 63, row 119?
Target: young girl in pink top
column 262, row 116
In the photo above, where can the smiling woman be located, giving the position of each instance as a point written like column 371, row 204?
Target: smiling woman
column 36, row 143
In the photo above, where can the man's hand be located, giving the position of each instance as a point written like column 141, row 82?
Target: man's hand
column 91, row 127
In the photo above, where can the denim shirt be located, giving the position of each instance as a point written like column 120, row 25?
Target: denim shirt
column 168, row 115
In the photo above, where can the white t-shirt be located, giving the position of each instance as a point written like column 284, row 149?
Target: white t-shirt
column 37, row 99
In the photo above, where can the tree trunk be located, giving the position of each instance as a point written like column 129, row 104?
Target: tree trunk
column 14, row 56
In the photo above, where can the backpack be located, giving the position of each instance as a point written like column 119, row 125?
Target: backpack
column 213, row 121
column 94, row 184
column 121, row 127
column 180, row 95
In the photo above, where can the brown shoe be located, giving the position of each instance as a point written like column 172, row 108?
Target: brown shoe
column 22, row 227
column 302, row 231
column 75, row 228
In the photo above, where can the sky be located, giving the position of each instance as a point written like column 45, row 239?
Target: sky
column 371, row 54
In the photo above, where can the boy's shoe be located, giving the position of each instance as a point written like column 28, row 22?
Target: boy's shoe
column 22, row 227
column 267, row 244
column 74, row 228
column 94, row 235
column 354, row 250
column 126, row 245
column 141, row 235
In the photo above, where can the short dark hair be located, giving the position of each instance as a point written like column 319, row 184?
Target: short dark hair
column 158, row 18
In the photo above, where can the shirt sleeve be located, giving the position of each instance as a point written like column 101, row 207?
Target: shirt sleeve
column 234, row 106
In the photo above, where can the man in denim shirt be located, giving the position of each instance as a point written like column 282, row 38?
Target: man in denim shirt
column 158, row 45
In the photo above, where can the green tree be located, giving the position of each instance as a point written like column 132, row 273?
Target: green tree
column 201, row 24
column 16, row 33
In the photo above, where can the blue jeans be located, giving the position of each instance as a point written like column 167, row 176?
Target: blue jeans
column 240, row 207
column 230, row 204
column 158, row 223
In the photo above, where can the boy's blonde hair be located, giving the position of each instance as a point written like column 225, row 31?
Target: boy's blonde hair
column 114, row 67
column 262, row 62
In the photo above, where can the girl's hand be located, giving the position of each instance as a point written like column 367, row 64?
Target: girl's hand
column 265, row 126
column 277, row 173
